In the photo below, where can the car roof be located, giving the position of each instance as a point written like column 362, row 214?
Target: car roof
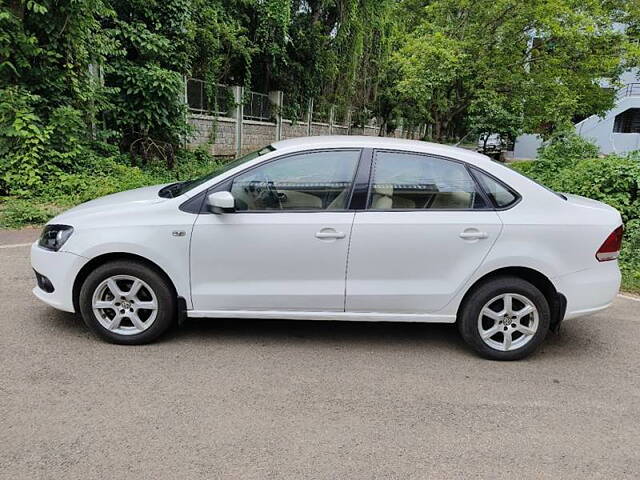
column 363, row 141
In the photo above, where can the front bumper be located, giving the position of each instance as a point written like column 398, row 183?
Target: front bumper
column 589, row 291
column 61, row 269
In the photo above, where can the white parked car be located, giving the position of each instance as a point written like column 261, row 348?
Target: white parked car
column 492, row 144
column 338, row 228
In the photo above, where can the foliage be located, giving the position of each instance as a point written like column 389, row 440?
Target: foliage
column 34, row 151
column 15, row 213
column 570, row 165
column 561, row 151
column 495, row 112
column 453, row 65
column 567, row 147
column 612, row 180
column 504, row 63
column 99, row 176
column 146, row 74
column 630, row 256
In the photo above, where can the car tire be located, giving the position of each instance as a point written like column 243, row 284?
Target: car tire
column 505, row 318
column 127, row 303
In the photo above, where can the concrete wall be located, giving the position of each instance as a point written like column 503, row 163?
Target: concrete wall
column 320, row 129
column 526, row 147
column 256, row 135
column 600, row 129
column 222, row 141
column 367, row 131
column 293, row 130
column 218, row 134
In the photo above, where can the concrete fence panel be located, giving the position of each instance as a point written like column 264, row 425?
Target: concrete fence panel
column 236, row 134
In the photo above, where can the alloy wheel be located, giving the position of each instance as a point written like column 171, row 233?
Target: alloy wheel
column 125, row 304
column 508, row 322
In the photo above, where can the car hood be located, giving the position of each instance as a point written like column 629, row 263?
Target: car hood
column 127, row 200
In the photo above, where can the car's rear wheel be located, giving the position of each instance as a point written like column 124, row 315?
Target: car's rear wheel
column 505, row 318
column 127, row 303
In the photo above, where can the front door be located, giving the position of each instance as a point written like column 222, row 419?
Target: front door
column 285, row 247
column 427, row 229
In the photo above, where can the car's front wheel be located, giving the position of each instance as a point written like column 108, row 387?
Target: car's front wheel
column 505, row 318
column 127, row 302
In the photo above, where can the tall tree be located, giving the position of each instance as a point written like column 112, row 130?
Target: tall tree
column 465, row 57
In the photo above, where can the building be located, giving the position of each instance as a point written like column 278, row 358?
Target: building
column 618, row 131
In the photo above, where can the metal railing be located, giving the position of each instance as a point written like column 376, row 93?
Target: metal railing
column 216, row 100
column 341, row 116
column 321, row 112
column 257, row 106
column 629, row 90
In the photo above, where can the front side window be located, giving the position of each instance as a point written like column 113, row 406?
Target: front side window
column 306, row 181
column 416, row 181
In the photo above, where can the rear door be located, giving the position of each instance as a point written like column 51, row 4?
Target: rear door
column 426, row 229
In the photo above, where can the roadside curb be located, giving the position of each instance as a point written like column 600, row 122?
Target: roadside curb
column 629, row 296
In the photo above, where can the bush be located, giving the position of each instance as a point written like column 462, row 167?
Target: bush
column 561, row 152
column 613, row 180
column 630, row 256
column 34, row 150
column 15, row 213
column 97, row 177
column 567, row 147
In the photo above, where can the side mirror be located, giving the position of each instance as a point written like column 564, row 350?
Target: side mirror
column 221, row 202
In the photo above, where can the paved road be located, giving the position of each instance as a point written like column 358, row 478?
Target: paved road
column 257, row 399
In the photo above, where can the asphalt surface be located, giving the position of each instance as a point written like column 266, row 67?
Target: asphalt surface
column 275, row 399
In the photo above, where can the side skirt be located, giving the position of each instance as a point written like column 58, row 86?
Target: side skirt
column 341, row 316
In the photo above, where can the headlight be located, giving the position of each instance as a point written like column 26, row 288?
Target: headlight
column 54, row 236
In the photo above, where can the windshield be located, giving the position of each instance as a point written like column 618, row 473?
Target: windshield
column 178, row 188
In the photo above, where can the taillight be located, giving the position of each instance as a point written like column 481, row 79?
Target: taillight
column 610, row 249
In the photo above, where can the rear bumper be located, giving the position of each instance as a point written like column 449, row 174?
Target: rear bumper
column 61, row 269
column 589, row 291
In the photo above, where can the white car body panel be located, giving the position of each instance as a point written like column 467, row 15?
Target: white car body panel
column 414, row 261
column 392, row 266
column 142, row 224
column 61, row 268
column 269, row 261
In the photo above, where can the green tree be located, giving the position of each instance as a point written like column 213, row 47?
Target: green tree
column 147, row 75
column 458, row 58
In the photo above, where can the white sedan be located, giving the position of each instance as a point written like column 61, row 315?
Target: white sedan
column 338, row 228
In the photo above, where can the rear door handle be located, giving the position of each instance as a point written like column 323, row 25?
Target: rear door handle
column 473, row 235
column 329, row 233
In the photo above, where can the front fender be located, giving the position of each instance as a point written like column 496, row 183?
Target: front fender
column 157, row 244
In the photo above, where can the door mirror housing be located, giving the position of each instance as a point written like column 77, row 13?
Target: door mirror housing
column 221, row 202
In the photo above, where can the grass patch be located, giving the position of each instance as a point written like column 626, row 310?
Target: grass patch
column 110, row 174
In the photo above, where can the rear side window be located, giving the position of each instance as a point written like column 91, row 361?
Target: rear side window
column 501, row 195
column 413, row 181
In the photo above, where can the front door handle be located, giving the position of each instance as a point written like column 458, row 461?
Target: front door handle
column 473, row 234
column 329, row 233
